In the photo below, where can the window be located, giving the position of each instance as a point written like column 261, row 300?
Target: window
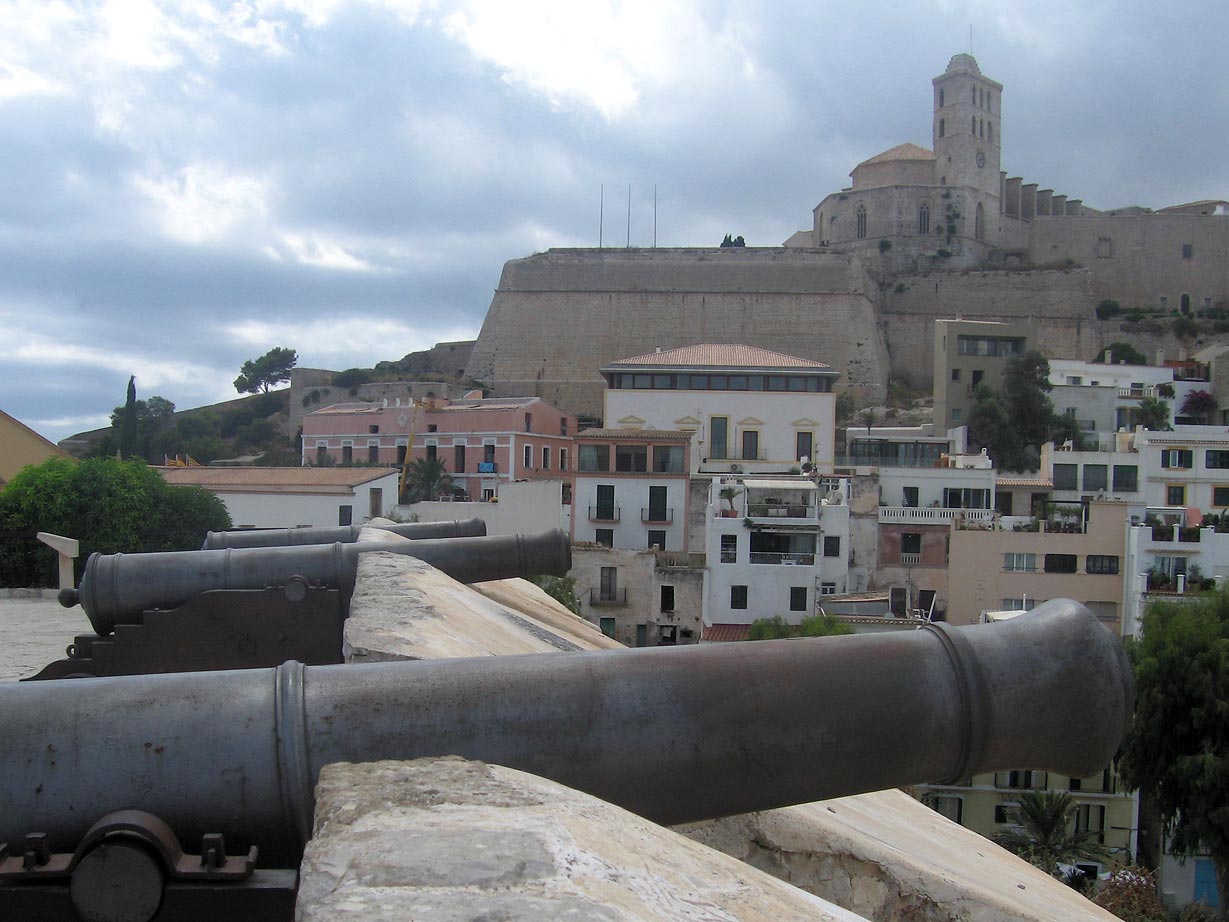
column 1105, row 247
column 373, row 454
column 488, row 452
column 345, row 515
column 631, row 459
column 608, row 588
column 373, row 429
column 1220, row 496
column 718, row 428
column 375, row 502
column 657, row 539
column 910, row 497
column 955, row 374
column 1060, row 563
column 911, row 542
column 604, row 536
column 668, row 459
column 546, row 457
column 977, row 377
column 1126, row 478
column 1020, row 563
column 1164, row 302
column 401, row 451
column 1101, row 563
column 940, row 98
column 347, row 454
column 950, row 807
column 1020, row 604
column 803, row 446
column 738, row 597
column 1029, row 780
column 1065, row 476
column 861, row 221
column 797, row 598
column 827, row 588
column 832, row 546
column 729, row 548
column 923, row 218
column 529, row 422
column 1175, row 494
column 1188, row 251
column 1005, row 813
column 563, row 459
column 605, row 510
column 942, row 127
column 1216, row 460
column 956, row 414
column 594, row 458
column 563, row 425
column 751, row 445
column 322, row 453
column 458, row 459
column 1090, row 818
column 667, row 598
column 657, row 511
column 607, row 625
column 966, row 498
column 527, row 457
column 1096, row 476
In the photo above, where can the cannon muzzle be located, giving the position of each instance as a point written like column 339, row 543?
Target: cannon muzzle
column 672, row 733
column 345, row 534
column 119, row 588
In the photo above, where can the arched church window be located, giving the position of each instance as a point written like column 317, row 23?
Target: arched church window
column 973, row 93
column 973, row 125
column 989, row 131
column 940, row 127
column 1185, row 304
column 861, row 221
column 940, row 97
column 979, row 222
column 981, row 127
column 923, row 218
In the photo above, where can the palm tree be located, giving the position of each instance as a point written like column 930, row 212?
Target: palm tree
column 426, row 479
column 1047, row 837
column 1153, row 414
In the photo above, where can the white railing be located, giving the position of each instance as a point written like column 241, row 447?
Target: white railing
column 910, row 560
column 932, row 515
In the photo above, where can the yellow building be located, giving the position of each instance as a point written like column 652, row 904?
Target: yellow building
column 1067, row 550
column 21, row 446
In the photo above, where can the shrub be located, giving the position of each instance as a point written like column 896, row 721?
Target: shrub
column 885, row 245
column 773, row 628
column 1185, row 328
column 1107, row 309
column 1130, row 894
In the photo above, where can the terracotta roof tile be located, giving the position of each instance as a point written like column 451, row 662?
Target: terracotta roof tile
column 719, row 355
column 725, row 633
column 904, row 151
column 274, row 479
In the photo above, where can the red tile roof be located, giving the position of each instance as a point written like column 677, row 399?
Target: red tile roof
column 725, row 633
column 719, row 355
column 275, row 479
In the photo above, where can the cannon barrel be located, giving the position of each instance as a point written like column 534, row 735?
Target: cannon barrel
column 119, row 588
column 346, row 534
column 672, row 733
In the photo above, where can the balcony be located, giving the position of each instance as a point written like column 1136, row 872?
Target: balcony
column 488, row 467
column 910, row 560
column 934, row 515
column 600, row 597
column 779, row 510
column 787, row 559
column 657, row 516
column 1137, row 393
column 604, row 514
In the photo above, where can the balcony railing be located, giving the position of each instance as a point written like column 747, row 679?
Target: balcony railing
column 655, row 516
column 932, row 515
column 488, row 467
column 772, row 557
column 910, row 560
column 1137, row 393
column 601, row 597
column 604, row 513
column 781, row 510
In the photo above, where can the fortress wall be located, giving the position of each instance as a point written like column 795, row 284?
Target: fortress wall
column 559, row 316
column 690, row 269
column 551, row 344
column 1137, row 259
column 1061, row 300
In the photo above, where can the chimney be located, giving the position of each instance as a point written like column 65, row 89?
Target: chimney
column 1160, row 357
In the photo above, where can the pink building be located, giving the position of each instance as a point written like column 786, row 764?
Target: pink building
column 481, row 442
column 499, row 439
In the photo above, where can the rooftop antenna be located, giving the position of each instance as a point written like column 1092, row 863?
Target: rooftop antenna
column 654, row 215
column 601, row 214
column 970, row 38
column 629, row 216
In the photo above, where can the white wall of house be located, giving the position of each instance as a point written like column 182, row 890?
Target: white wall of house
column 775, row 417
column 1183, row 468
column 932, row 484
column 525, row 507
column 775, row 582
column 631, row 503
column 290, row 510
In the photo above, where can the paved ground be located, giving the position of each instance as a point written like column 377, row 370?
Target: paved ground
column 34, row 632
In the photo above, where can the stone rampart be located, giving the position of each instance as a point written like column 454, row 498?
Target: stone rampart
column 558, row 317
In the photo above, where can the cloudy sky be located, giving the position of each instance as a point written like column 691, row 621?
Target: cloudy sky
column 184, row 185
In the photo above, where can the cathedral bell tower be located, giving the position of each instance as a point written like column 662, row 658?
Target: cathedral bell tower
column 967, row 138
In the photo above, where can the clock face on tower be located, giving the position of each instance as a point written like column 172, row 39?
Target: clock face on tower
column 981, row 159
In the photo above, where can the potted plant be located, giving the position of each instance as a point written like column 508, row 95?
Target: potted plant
column 729, row 494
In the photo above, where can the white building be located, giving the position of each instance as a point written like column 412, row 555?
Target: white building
column 774, row 547
column 749, row 409
column 1104, row 398
column 289, row 497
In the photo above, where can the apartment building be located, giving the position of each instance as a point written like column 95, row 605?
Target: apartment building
column 969, row 353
